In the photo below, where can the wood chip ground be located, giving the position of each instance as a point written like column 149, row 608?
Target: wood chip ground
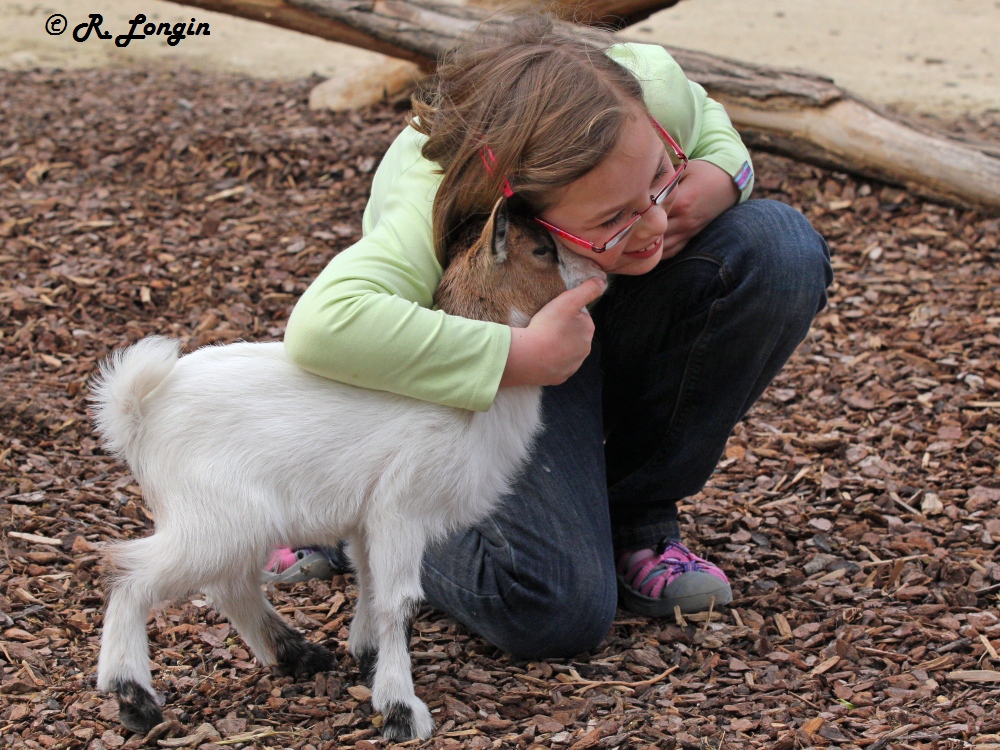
column 855, row 510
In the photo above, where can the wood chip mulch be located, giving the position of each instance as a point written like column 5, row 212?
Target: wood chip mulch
column 856, row 508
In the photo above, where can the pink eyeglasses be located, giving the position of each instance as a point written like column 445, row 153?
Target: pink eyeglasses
column 654, row 200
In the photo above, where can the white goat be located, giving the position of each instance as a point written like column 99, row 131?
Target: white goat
column 239, row 451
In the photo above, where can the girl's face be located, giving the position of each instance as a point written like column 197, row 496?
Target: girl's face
column 597, row 205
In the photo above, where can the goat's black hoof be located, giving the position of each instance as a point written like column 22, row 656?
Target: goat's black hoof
column 367, row 661
column 298, row 657
column 402, row 722
column 137, row 709
column 398, row 724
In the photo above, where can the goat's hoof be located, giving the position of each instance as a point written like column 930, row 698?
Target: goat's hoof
column 137, row 709
column 298, row 657
column 402, row 722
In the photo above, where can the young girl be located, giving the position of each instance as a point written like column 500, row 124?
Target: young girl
column 627, row 163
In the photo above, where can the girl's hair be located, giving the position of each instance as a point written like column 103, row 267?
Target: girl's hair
column 548, row 102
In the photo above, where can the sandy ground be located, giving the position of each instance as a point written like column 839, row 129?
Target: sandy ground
column 931, row 56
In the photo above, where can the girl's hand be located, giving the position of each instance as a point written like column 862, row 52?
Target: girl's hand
column 556, row 341
column 704, row 192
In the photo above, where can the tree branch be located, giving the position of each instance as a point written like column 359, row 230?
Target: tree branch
column 790, row 112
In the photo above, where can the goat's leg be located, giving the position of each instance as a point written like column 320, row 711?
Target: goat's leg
column 273, row 641
column 363, row 640
column 394, row 561
column 137, row 576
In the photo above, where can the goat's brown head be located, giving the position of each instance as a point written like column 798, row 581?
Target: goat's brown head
column 509, row 271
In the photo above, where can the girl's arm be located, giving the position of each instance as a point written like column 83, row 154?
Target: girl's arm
column 368, row 320
column 719, row 176
column 705, row 191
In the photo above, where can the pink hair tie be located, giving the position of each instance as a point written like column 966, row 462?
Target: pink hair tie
column 485, row 151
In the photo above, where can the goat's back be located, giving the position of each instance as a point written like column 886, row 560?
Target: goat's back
column 290, row 449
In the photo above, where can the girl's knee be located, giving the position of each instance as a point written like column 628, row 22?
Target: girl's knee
column 785, row 258
column 563, row 622
column 772, row 226
column 766, row 218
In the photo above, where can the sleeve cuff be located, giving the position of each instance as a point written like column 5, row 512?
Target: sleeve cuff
column 741, row 170
column 489, row 383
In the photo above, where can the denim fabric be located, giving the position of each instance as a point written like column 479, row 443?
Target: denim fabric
column 681, row 354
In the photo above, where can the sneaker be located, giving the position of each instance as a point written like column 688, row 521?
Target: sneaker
column 293, row 566
column 653, row 582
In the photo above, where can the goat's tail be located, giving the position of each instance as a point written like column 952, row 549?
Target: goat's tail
column 125, row 378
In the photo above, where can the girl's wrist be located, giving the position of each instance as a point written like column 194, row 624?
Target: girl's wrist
column 517, row 371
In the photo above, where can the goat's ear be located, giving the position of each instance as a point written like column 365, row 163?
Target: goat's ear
column 500, row 222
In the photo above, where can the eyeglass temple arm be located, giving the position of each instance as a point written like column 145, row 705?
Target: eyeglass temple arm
column 566, row 235
column 669, row 139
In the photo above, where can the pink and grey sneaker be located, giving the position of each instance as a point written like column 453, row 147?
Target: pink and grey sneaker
column 653, row 582
column 282, row 559
column 294, row 566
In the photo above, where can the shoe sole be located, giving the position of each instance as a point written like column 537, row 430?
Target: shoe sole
column 692, row 592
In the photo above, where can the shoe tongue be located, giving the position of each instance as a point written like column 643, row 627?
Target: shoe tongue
column 638, row 556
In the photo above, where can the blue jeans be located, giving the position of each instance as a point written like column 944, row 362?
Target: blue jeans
column 681, row 353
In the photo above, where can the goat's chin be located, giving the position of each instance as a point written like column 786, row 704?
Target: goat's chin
column 518, row 319
column 576, row 269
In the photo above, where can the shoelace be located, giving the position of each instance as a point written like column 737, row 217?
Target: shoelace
column 651, row 575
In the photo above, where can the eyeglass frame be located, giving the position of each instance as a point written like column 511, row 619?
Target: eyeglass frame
column 654, row 200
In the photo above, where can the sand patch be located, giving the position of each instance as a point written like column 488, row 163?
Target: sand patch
column 928, row 56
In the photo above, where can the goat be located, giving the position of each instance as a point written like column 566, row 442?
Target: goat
column 239, row 451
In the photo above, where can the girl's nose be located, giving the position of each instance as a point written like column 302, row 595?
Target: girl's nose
column 655, row 219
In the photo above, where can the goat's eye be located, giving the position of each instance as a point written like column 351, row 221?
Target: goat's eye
column 542, row 251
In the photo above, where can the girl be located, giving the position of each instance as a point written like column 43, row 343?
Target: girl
column 628, row 163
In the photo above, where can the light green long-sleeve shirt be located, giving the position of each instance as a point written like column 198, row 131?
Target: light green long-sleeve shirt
column 368, row 318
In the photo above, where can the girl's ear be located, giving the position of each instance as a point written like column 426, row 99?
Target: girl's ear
column 500, row 221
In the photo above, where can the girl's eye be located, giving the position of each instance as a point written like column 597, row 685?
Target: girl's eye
column 618, row 216
column 613, row 220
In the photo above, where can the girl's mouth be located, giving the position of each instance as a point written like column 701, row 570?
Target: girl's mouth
column 648, row 251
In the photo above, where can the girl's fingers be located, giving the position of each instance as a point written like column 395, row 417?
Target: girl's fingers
column 583, row 295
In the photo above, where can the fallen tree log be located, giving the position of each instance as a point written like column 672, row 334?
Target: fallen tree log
column 789, row 112
column 415, row 31
column 807, row 117
column 616, row 13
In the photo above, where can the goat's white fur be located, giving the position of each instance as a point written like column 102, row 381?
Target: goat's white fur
column 239, row 451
